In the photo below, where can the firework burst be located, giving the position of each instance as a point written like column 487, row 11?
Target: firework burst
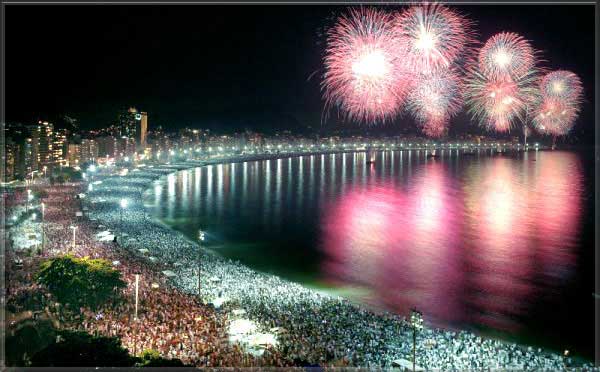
column 364, row 76
column 434, row 99
column 563, row 85
column 561, row 100
column 506, row 55
column 434, row 35
column 497, row 103
column 555, row 117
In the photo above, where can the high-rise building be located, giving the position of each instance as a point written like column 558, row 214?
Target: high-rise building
column 127, row 123
column 27, row 162
column 143, row 130
column 42, row 141
column 74, row 154
column 11, row 150
column 134, row 124
column 88, row 150
column 59, row 147
column 107, row 146
column 17, row 161
column 125, row 146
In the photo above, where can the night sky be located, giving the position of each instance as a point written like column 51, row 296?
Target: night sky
column 228, row 67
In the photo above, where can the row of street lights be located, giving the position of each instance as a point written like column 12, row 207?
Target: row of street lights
column 416, row 321
column 201, row 237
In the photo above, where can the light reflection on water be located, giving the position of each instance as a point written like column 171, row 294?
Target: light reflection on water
column 469, row 240
column 474, row 245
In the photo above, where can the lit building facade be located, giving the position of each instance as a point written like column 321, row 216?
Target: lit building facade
column 134, row 124
column 42, row 144
column 60, row 147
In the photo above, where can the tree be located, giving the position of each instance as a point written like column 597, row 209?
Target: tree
column 80, row 281
column 41, row 194
column 151, row 358
column 28, row 338
column 79, row 349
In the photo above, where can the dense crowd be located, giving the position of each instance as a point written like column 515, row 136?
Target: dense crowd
column 319, row 329
column 171, row 322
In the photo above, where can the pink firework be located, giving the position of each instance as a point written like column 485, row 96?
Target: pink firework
column 563, row 85
column 499, row 102
column 434, row 99
column 434, row 35
column 555, row 116
column 364, row 76
column 561, row 100
column 506, row 55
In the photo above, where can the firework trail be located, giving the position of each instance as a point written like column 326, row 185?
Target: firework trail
column 561, row 95
column 434, row 35
column 435, row 98
column 506, row 55
column 364, row 75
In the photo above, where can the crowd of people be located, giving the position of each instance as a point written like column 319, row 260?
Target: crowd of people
column 169, row 321
column 172, row 319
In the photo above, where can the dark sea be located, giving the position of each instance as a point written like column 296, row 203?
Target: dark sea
column 498, row 244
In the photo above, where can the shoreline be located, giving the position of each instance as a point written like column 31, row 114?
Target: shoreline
column 186, row 277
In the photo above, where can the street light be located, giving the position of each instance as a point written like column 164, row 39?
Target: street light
column 29, row 197
column 123, row 204
column 135, row 318
column 137, row 285
column 416, row 321
column 201, row 238
column 74, row 228
column 43, row 231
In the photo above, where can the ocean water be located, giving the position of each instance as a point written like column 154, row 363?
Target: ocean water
column 498, row 244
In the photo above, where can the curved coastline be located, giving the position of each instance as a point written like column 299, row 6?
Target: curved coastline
column 272, row 301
